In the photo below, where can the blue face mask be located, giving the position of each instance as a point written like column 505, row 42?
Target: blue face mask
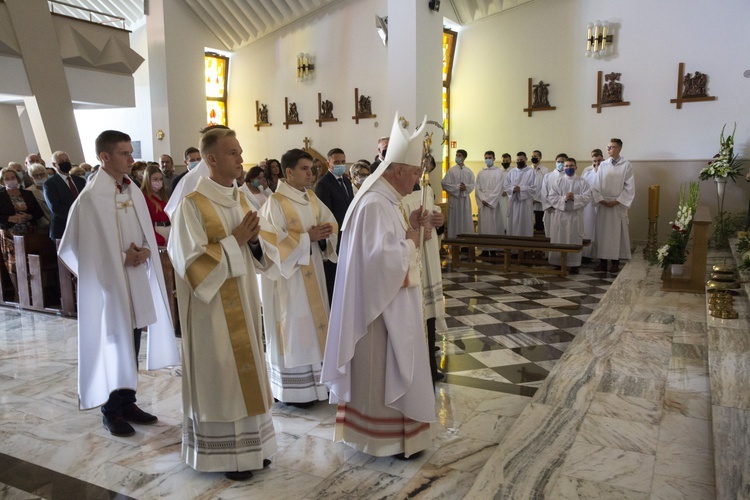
column 459, row 160
column 193, row 164
column 489, row 162
column 339, row 170
column 559, row 166
column 255, row 183
column 570, row 171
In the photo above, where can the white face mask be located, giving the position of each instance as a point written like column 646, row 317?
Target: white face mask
column 11, row 184
column 157, row 185
column 39, row 182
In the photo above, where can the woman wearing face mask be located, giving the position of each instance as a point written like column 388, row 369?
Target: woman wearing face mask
column 156, row 199
column 273, row 173
column 19, row 213
column 256, row 188
column 359, row 172
column 39, row 176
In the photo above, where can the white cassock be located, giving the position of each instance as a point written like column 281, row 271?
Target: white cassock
column 544, row 194
column 504, row 198
column 589, row 214
column 566, row 217
column 376, row 361
column 225, row 391
column 186, row 186
column 459, row 202
column 113, row 300
column 540, row 171
column 295, row 305
column 489, row 189
column 614, row 181
column 432, row 277
column 520, row 204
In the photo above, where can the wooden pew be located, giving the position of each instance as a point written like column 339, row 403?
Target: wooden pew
column 506, row 244
column 36, row 272
column 68, row 284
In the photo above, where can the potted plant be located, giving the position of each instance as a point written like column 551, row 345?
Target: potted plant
column 674, row 253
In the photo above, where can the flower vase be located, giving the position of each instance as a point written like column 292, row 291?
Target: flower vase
column 676, row 269
column 721, row 184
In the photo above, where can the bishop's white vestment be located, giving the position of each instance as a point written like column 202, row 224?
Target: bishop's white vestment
column 295, row 305
column 520, row 204
column 489, row 189
column 566, row 217
column 459, row 202
column 227, row 423
column 614, row 181
column 376, row 360
column 113, row 299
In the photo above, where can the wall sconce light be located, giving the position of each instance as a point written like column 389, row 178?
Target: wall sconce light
column 381, row 24
column 160, row 134
column 598, row 38
column 305, row 67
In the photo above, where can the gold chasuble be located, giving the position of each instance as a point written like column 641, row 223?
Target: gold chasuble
column 294, row 230
column 230, row 297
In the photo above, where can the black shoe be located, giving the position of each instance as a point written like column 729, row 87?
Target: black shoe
column 614, row 268
column 438, row 377
column 401, row 456
column 241, row 475
column 301, row 405
column 435, row 348
column 138, row 416
column 586, row 260
column 266, row 462
column 602, row 267
column 117, row 426
column 574, row 270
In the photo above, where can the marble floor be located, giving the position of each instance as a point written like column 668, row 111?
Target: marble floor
column 623, row 413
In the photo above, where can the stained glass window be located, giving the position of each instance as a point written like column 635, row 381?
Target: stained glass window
column 217, row 68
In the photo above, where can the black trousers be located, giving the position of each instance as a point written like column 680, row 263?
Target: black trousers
column 122, row 398
column 431, row 346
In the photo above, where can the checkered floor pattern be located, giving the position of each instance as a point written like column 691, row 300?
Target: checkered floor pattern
column 507, row 330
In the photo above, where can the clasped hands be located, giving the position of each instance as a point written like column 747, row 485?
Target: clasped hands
column 20, row 217
column 248, row 229
column 422, row 218
column 135, row 256
column 610, row 204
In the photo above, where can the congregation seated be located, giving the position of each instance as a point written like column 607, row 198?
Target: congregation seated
column 39, row 174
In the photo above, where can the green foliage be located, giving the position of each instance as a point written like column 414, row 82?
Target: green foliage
column 726, row 225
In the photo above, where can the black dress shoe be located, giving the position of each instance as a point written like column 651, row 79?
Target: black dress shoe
column 266, row 462
column 138, row 416
column 574, row 270
column 301, row 405
column 241, row 475
column 117, row 426
column 402, row 456
column 438, row 377
column 602, row 267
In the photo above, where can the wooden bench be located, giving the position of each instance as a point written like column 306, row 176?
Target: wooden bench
column 36, row 273
column 506, row 244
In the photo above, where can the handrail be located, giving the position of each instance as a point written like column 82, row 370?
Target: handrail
column 112, row 18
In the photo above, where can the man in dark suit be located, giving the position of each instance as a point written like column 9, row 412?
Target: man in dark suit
column 335, row 190
column 60, row 191
column 382, row 148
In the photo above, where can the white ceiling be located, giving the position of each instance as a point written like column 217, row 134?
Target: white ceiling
column 238, row 23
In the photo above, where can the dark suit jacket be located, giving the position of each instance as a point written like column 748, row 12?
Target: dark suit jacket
column 59, row 198
column 329, row 191
column 7, row 209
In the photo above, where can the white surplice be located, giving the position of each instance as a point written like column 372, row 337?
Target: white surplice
column 219, row 433
column 614, row 181
column 295, row 365
column 489, row 189
column 550, row 176
column 459, row 202
column 520, row 204
column 566, row 217
column 589, row 214
column 540, row 171
column 113, row 299
column 376, row 360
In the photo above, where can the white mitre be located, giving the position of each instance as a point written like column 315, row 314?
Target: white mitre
column 402, row 148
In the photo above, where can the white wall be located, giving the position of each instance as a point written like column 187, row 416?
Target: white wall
column 12, row 142
column 348, row 54
column 545, row 40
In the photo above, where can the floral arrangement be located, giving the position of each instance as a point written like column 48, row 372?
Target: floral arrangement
column 675, row 250
column 725, row 164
